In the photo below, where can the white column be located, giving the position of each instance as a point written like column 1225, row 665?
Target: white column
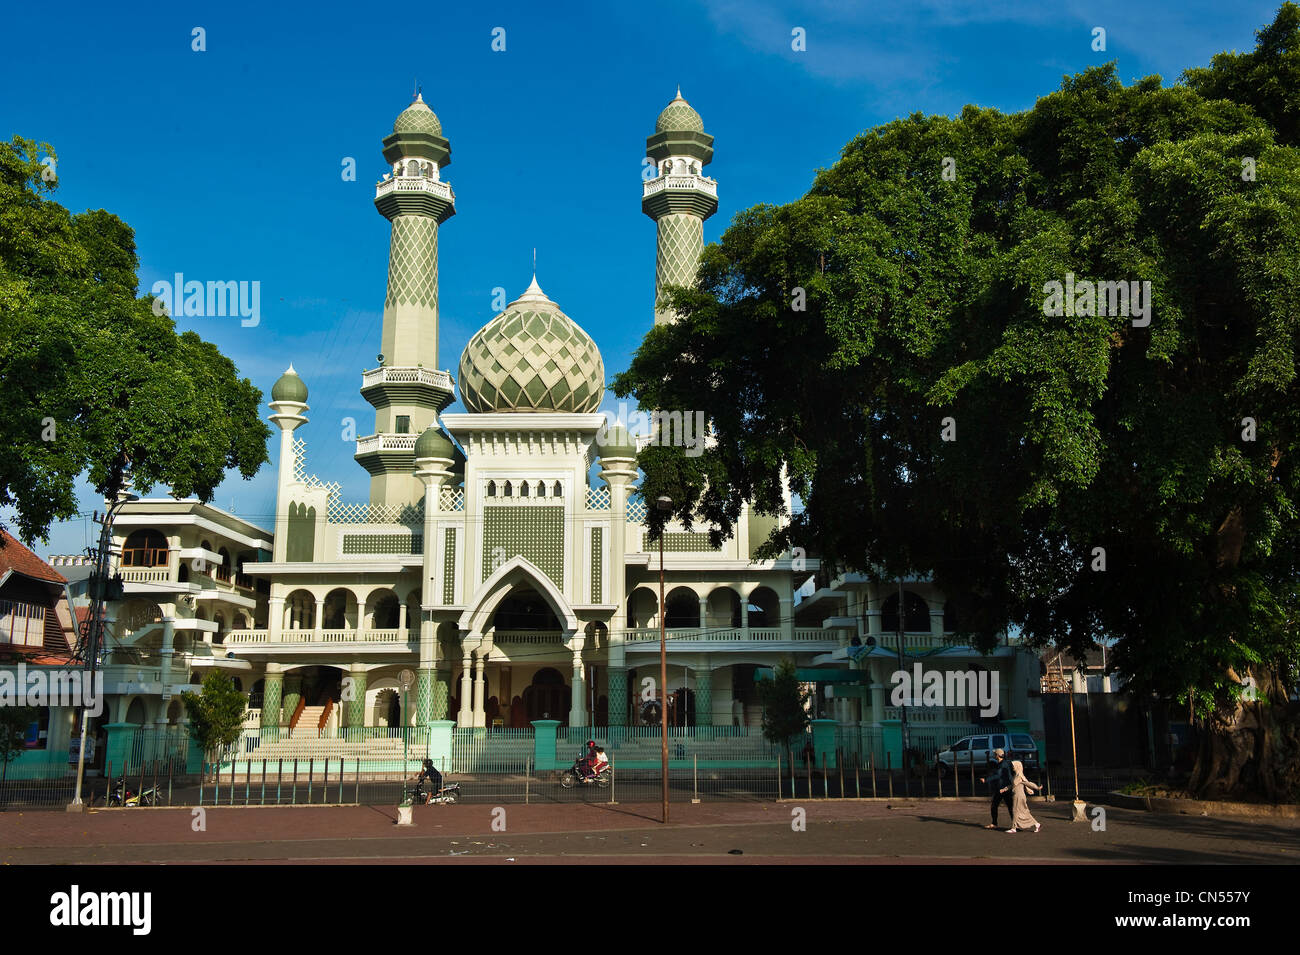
column 274, row 619
column 577, row 700
column 465, row 717
column 319, row 623
column 480, row 713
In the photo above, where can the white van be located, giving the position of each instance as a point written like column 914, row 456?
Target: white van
column 979, row 750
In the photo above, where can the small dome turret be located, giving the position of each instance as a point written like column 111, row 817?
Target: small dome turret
column 418, row 118
column 289, row 387
column 434, row 444
column 618, row 443
column 678, row 116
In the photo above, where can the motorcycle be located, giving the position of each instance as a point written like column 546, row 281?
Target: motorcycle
column 429, row 790
column 121, row 796
column 572, row 777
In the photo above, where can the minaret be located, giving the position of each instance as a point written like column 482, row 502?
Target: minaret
column 407, row 389
column 680, row 197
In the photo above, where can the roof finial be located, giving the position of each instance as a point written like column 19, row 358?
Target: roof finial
column 417, row 98
column 679, row 90
column 534, row 263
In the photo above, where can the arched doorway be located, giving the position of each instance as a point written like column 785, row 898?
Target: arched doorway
column 547, row 697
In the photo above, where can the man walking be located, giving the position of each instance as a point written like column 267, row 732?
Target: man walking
column 1001, row 779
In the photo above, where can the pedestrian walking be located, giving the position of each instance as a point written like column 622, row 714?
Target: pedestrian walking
column 1000, row 784
column 1021, row 788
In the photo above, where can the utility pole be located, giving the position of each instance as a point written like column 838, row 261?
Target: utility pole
column 99, row 583
column 906, row 736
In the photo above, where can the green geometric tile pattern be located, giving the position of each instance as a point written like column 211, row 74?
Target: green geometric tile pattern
column 532, row 357
column 423, row 697
column 449, row 568
column 618, row 696
column 413, row 262
column 677, row 257
column 271, row 699
column 535, row 533
column 354, row 709
column 417, row 118
column 441, row 693
column 704, row 697
column 597, row 539
column 383, row 544
column 679, row 115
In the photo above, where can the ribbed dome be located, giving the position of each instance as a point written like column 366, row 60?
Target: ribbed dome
column 289, row 387
column 678, row 116
column 417, row 118
column 432, row 443
column 531, row 357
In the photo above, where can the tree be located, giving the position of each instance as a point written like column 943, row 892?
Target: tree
column 94, row 382
column 785, row 706
column 216, row 715
column 15, row 721
column 1079, row 476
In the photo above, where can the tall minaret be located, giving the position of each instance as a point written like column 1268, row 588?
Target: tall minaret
column 407, row 389
column 680, row 197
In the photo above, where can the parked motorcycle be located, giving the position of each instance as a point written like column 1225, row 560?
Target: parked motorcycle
column 119, row 795
column 429, row 789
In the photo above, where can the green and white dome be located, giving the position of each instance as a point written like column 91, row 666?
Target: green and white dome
column 678, row 116
column 432, row 443
column 418, row 118
column 289, row 387
column 531, row 358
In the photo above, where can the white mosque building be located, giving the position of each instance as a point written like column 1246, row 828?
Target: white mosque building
column 502, row 561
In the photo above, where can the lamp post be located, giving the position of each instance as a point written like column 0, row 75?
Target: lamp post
column 407, row 677
column 663, row 503
column 98, row 598
column 904, row 734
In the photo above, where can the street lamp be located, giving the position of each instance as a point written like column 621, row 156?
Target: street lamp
column 98, row 598
column 663, row 503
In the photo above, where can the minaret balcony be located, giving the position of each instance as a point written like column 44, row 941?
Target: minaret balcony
column 401, row 384
column 703, row 183
column 386, row 442
column 415, row 195
column 665, row 195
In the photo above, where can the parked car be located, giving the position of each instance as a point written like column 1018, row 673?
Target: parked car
column 979, row 750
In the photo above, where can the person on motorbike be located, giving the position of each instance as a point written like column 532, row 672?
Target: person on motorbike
column 587, row 761
column 432, row 775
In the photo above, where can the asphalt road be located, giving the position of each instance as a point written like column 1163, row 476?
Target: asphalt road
column 835, row 831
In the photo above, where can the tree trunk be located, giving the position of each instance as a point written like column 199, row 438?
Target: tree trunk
column 1254, row 751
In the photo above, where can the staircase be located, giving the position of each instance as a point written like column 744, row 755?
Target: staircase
column 1057, row 678
column 309, row 721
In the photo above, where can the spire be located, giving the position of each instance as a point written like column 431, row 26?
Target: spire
column 533, row 293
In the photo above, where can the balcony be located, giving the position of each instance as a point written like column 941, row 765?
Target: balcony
column 745, row 636
column 426, row 377
column 386, row 442
column 702, row 183
column 325, row 640
column 416, row 184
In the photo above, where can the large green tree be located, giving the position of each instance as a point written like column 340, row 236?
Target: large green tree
column 95, row 383
column 884, row 348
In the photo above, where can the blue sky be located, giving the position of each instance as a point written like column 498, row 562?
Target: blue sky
column 227, row 162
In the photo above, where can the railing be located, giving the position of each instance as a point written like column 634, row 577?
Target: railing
column 536, row 637
column 386, row 442
column 325, row 715
column 934, row 714
column 702, row 183
column 393, row 375
column 727, row 634
column 326, row 636
column 22, row 623
column 142, row 576
column 341, row 512
column 415, row 184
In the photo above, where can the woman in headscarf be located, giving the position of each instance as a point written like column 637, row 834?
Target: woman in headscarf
column 1021, row 788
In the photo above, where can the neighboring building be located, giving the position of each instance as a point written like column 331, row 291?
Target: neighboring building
column 488, row 561
column 37, row 630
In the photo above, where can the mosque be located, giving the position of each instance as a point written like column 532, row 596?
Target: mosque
column 501, row 571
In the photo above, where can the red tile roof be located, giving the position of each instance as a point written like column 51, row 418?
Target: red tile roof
column 14, row 556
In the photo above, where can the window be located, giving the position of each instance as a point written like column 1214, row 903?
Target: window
column 492, row 489
column 541, row 489
column 979, row 743
column 523, row 488
column 558, row 491
column 1020, row 741
column 403, row 424
column 508, row 491
column 961, row 746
